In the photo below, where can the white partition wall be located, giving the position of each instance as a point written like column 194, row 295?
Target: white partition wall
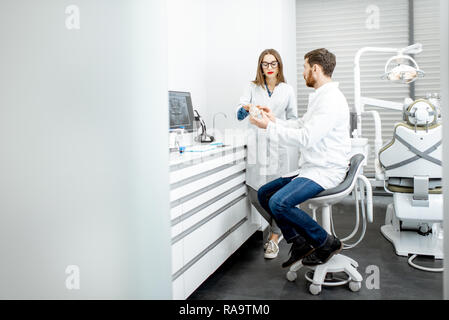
column 84, row 196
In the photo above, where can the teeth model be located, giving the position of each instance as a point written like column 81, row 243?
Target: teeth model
column 255, row 112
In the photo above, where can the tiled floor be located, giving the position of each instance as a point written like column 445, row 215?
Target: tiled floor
column 247, row 275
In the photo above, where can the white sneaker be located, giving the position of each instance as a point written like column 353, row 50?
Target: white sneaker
column 280, row 238
column 272, row 250
column 265, row 246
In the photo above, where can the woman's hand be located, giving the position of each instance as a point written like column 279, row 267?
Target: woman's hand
column 247, row 107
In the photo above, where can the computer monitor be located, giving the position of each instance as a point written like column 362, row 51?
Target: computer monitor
column 180, row 110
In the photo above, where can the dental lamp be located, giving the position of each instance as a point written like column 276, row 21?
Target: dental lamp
column 396, row 70
column 400, row 71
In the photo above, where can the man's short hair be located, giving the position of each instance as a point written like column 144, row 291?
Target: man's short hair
column 324, row 58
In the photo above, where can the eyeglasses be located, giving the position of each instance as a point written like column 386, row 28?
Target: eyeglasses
column 273, row 64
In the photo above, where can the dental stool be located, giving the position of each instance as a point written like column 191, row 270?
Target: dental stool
column 339, row 262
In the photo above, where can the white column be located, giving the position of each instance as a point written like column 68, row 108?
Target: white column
column 444, row 85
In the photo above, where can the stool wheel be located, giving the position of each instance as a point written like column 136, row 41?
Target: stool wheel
column 291, row 276
column 315, row 289
column 355, row 286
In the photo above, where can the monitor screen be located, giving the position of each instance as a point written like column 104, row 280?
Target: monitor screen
column 180, row 110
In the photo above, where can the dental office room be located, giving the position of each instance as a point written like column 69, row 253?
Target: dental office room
column 224, row 150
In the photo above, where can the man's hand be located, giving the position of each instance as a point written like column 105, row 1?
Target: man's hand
column 260, row 122
column 268, row 113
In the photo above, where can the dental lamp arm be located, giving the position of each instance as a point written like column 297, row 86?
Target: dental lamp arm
column 358, row 104
column 412, row 49
column 357, row 89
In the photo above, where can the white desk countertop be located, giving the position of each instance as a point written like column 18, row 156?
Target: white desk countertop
column 177, row 158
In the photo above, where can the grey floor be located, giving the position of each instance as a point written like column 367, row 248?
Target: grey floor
column 247, row 275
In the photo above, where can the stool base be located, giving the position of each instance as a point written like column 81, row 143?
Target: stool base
column 338, row 263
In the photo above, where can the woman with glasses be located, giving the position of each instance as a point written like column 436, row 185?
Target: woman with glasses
column 266, row 160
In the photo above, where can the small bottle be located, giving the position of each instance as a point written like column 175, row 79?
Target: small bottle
column 179, row 139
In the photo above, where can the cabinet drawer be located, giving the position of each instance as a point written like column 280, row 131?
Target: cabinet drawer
column 214, row 208
column 206, row 196
column 194, row 186
column 178, row 288
column 201, row 238
column 190, row 171
column 204, row 267
column 177, row 256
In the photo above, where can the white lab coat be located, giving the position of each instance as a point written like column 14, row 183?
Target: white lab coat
column 266, row 161
column 322, row 135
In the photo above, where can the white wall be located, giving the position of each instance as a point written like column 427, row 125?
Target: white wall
column 214, row 45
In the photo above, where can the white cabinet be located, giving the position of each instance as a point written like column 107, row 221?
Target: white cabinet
column 210, row 214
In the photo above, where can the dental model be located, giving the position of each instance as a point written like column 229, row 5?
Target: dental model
column 255, row 112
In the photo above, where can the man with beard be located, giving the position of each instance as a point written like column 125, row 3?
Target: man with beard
column 322, row 135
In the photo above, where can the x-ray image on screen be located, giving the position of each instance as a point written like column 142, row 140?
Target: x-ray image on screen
column 180, row 111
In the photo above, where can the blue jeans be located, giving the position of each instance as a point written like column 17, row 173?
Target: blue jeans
column 280, row 198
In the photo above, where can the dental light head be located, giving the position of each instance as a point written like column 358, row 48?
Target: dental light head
column 402, row 69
